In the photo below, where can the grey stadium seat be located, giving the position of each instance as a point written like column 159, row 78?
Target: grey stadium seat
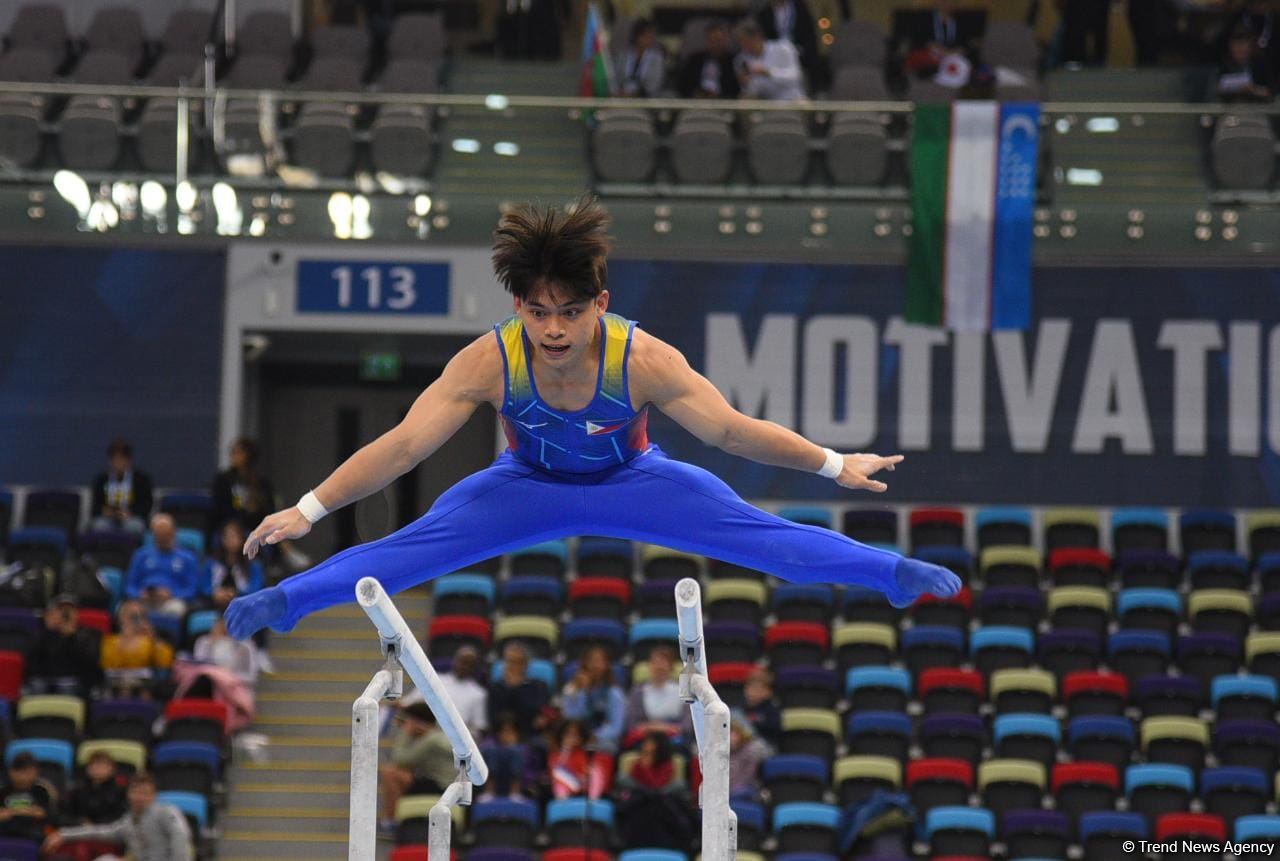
column 21, row 115
column 257, row 72
column 400, row 135
column 778, row 149
column 623, row 146
column 856, row 149
column 40, row 26
column 1010, row 43
column 859, row 43
column 1243, row 152
column 340, row 41
column 89, row 127
column 335, row 74
column 929, row 92
column 187, row 31
column 265, row 34
column 322, row 139
column 409, row 76
column 859, row 84
column 241, row 122
column 156, row 139
column 117, row 29
column 28, row 65
column 173, row 68
column 417, row 36
column 702, row 147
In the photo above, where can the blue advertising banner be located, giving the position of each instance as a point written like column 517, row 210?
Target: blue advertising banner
column 1130, row 386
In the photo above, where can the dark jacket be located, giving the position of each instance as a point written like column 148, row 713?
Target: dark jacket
column 235, row 499
column 525, row 702
column 922, row 28
column 690, row 78
column 140, row 497
column 97, row 803
column 55, row 656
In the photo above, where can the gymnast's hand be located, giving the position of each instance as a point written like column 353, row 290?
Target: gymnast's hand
column 281, row 526
column 249, row 614
column 916, row 578
column 858, row 469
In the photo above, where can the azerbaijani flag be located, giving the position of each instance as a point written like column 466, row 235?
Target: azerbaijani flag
column 597, row 78
column 973, row 186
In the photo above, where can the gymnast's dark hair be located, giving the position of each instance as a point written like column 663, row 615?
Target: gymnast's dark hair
column 564, row 248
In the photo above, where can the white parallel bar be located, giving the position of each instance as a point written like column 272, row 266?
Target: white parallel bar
column 689, row 618
column 363, row 822
column 441, row 820
column 393, row 629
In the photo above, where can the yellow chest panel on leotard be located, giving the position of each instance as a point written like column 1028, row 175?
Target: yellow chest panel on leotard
column 603, row 434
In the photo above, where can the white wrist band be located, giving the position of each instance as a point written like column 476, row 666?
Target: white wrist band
column 834, row 465
column 311, row 508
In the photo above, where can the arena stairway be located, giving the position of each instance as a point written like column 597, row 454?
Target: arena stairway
column 294, row 803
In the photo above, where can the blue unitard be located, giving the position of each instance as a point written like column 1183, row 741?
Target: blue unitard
column 591, row 472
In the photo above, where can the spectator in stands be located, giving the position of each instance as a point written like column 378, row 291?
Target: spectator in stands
column 792, row 21
column 1084, row 30
column 573, row 767
column 767, row 69
column 27, row 801
column 467, row 693
column 592, row 697
column 656, row 703
column 101, row 796
column 65, row 657
column 122, row 494
column 163, row 576
column 241, row 492
column 643, row 66
column 507, row 758
column 132, row 657
column 228, row 573
column 654, row 769
column 1244, row 75
column 760, row 708
column 936, row 36
column 515, row 694
column 710, row 73
column 1262, row 19
column 653, row 811
column 239, row 657
column 150, row 830
column 1150, row 22
column 421, row 760
column 746, row 752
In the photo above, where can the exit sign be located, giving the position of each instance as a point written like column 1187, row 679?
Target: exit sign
column 380, row 366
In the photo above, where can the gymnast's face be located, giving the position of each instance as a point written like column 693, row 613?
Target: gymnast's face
column 561, row 329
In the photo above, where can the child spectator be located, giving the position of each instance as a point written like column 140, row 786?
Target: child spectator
column 656, row 703
column 515, row 694
column 65, row 657
column 651, row 805
column 710, row 74
column 644, row 64
column 654, row 770
column 228, row 574
column 572, row 769
column 100, row 797
column 133, row 657
column 592, row 697
column 507, row 758
column 26, row 802
column 760, row 708
column 122, row 494
column 163, row 577
column 746, row 752
column 1244, row 75
column 150, row 830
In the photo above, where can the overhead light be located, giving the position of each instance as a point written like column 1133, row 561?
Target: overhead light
column 186, row 224
column 103, row 216
column 74, row 190
column 258, row 226
column 506, row 148
column 1083, row 176
column 496, row 102
column 470, row 146
column 391, row 183
column 185, row 194
column 227, row 208
column 124, row 195
column 1102, row 125
column 340, row 208
column 422, row 205
column 360, row 211
column 154, row 198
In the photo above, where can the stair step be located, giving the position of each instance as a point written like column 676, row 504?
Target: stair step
column 332, row 800
column 332, row 775
column 305, row 828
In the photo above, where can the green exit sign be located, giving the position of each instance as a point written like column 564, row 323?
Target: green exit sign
column 379, row 366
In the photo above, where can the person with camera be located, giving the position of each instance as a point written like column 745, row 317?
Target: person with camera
column 592, row 697
column 132, row 657
column 64, row 658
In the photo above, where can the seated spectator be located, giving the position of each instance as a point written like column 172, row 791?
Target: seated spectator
column 241, row 492
column 643, row 65
column 421, row 761
column 746, row 752
column 507, row 758
column 767, row 70
column 221, row 669
column 239, row 657
column 760, row 708
column 1262, row 19
column 710, row 74
column 654, row 770
column 228, row 573
column 656, row 703
column 163, row 577
column 575, row 770
column 150, row 830
column 1244, row 75
column 652, row 808
column 100, row 796
column 133, row 657
column 65, row 657
column 517, row 695
column 27, row 801
column 592, row 697
column 467, row 694
column 935, row 35
column 122, row 494
column 791, row 20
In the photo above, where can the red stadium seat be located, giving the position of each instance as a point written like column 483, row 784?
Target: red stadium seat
column 599, row 598
column 195, row 720
column 939, row 782
column 945, row 690
column 1190, row 826
column 1091, row 693
column 448, row 633
column 931, row 526
column 99, row 620
column 416, row 853
column 953, row 612
column 12, row 669
column 1080, row 566
column 1079, row 787
column 797, row 643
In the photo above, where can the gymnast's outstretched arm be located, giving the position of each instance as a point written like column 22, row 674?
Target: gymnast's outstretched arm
column 472, row 377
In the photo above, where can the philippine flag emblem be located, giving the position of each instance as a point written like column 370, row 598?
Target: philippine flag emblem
column 597, row 428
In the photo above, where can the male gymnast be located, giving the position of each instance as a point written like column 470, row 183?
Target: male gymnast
column 572, row 385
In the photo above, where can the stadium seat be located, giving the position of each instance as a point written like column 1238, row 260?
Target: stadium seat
column 809, row 515
column 185, row 766
column 541, row 636
column 806, row 687
column 789, row 644
column 732, row 641
column 447, row 634
column 1003, row 527
column 656, row 599
column 168, row 627
column 927, row 646
column 663, row 563
column 1169, row 696
column 718, row 569
column 53, row 755
column 1011, row 606
column 1010, row 566
column 129, row 756
column 735, row 601
column 802, row 602
column 12, row 669
column 1015, row 691
column 580, row 634
column 939, row 783
column 574, row 854
column 94, row 619
column 1207, row 530
column 1262, row 653
column 6, row 504
column 128, row 720
column 412, row 818
column 864, row 644
column 111, row 549
column 870, row 526
column 1209, row 654
column 195, row 720
column 575, row 821
column 1154, row 789
column 1089, row 692
column 193, row 806
column 953, row 736
column 1177, row 740
column 1036, row 834
column 1228, row 611
column 729, row 677
column 859, row 43
column 1244, row 697
column 38, row 547
column 1011, row 44
column 463, row 594
column 929, row 527
column 777, row 148
column 1085, row 607
column 857, row 143
column 652, row 855
column 648, row 633
column 1262, row 532
column 954, row 557
column 1070, row 527
column 605, row 557
column 1103, row 833
column 1148, row 569
column 1079, row 787
column 599, row 598
column 19, row 849
column 1258, row 829
column 505, row 822
column 53, row 716
column 795, row 777
column 548, row 559
column 960, row 831
column 1268, row 613
column 1080, row 566
column 812, row 731
column 805, row 827
column 947, row 690
column 531, row 596
column 857, row 777
column 1135, row 654
column 1148, row 609
column 877, row 689
column 751, row 826
column 702, row 147
column 1101, row 738
column 19, row 628
column 198, row 623
column 1218, row 569
column 56, row 509
column 868, row 606
column 1030, row 737
column 1139, row 529
column 1247, row 742
column 1233, row 792
column 624, row 146
column 1011, row 784
column 1066, row 652
column 995, row 647
column 953, row 612
column 1268, row 566
column 879, row 734
column 1199, row 829
column 189, row 509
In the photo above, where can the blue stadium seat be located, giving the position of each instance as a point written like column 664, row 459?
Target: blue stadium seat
column 568, row 819
column 877, row 688
column 1103, row 833
column 547, row 559
column 751, row 827
column 50, row 751
column 578, row 634
column 879, row 734
column 647, row 633
column 1139, row 529
column 169, row 627
column 1269, row 572
column 113, row 580
column 129, row 720
column 1154, row 789
column 186, row 766
column 805, row 827
column 38, row 546
column 957, row 559
column 862, row 604
column 960, row 830
column 998, row 647
column 1209, row 654
column 200, row 622
column 463, row 594
column 193, row 806
column 803, row 602
column 1207, row 530
column 1258, row 829
column 1027, row 736
column 1234, row 697
column 1069, row 651
column 1149, row 610
column 1003, row 527
column 1217, row 569
column 532, row 596
column 1101, row 738
column 1135, row 654
column 652, row 855
column 1233, row 791
column 795, row 777
column 505, row 822
column 605, row 557
column 926, row 646
column 812, row 515
column 18, row 849
column 733, row 641
column 540, row 669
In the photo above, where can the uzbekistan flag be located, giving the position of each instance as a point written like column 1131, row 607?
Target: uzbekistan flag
column 973, row 186
column 596, row 77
